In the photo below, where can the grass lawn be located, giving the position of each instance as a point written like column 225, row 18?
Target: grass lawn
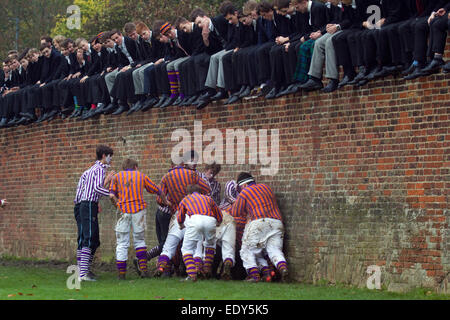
column 31, row 282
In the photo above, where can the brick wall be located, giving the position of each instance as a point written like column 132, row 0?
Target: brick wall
column 363, row 178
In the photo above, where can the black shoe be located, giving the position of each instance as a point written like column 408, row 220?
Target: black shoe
column 110, row 108
column 179, row 101
column 122, row 108
column 168, row 102
column 372, row 74
column 331, row 86
column 361, row 75
column 222, row 94
column 75, row 113
column 21, row 121
column 148, row 104
column 264, row 91
column 136, row 107
column 245, row 93
column 286, row 91
column 363, row 82
column 408, row 70
column 12, row 122
column 272, row 94
column 42, row 117
column 345, row 81
column 433, row 67
column 99, row 109
column 67, row 111
column 241, row 90
column 3, row 122
column 52, row 114
column 88, row 114
column 312, row 85
column 161, row 101
column 416, row 73
column 446, row 68
column 282, row 89
column 384, row 72
column 28, row 115
column 232, row 99
column 203, row 103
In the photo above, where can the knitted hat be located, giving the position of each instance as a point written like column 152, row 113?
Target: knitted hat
column 244, row 177
column 165, row 27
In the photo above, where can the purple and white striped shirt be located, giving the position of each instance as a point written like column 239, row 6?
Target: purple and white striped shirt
column 215, row 188
column 80, row 187
column 94, row 183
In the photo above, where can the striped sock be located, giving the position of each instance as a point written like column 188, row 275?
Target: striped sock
column 266, row 272
column 282, row 265
column 191, row 268
column 209, row 259
column 141, row 255
column 163, row 262
column 198, row 263
column 174, row 85
column 154, row 252
column 84, row 261
column 121, row 267
column 228, row 261
column 254, row 273
column 78, row 258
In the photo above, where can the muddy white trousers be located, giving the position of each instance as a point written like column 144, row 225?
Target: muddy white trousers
column 126, row 223
column 259, row 235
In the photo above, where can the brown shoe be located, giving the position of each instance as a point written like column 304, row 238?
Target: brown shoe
column 284, row 275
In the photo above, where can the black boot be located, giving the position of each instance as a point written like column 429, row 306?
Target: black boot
column 332, row 86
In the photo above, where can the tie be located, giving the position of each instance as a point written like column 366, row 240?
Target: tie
column 419, row 6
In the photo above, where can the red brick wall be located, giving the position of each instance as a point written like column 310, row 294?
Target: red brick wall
column 363, row 178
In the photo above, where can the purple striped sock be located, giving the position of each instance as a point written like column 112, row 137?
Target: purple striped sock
column 282, row 265
column 163, row 262
column 229, row 260
column 121, row 267
column 84, row 261
column 254, row 273
column 78, row 258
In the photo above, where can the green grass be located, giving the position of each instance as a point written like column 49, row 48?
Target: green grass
column 49, row 283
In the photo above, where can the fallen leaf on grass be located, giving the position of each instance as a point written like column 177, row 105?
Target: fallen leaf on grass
column 20, row 293
column 11, row 295
column 33, row 286
column 30, row 294
column 181, row 299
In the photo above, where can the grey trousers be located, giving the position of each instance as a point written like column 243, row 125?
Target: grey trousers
column 216, row 76
column 175, row 65
column 110, row 78
column 138, row 79
column 324, row 53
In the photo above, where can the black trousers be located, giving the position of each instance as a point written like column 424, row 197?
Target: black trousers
column 50, row 94
column 345, row 57
column 161, row 79
column 162, row 221
column 290, row 59
column 277, row 75
column 76, row 213
column 263, row 61
column 438, row 37
column 123, row 89
column 98, row 91
column 230, row 72
column 408, row 38
column 89, row 225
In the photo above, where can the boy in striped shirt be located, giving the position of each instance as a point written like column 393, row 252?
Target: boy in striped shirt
column 201, row 215
column 264, row 229
column 127, row 193
column 174, row 185
column 92, row 191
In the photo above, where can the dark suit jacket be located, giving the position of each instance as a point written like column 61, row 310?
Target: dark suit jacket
column 361, row 12
column 132, row 49
column 394, row 11
column 197, row 44
column 283, row 25
column 247, row 36
column 217, row 36
column 50, row 67
column 265, row 30
column 319, row 19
